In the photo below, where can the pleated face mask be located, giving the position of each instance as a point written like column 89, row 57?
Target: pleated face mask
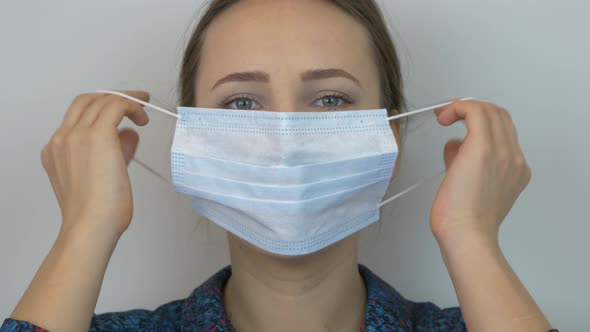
column 289, row 183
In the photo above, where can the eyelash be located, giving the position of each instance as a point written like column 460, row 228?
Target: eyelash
column 231, row 99
column 346, row 99
column 228, row 101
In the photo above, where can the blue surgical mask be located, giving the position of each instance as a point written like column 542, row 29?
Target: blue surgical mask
column 289, row 183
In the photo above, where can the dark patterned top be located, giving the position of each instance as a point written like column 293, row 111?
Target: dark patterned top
column 203, row 310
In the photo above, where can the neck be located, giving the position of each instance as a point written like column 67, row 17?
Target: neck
column 319, row 292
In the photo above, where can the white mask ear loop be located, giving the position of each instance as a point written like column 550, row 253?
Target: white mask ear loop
column 141, row 102
column 424, row 180
column 389, row 200
column 154, row 107
column 172, row 114
column 429, row 108
column 418, row 184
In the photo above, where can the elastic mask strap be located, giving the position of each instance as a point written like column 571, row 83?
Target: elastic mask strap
column 152, row 106
column 426, row 179
column 425, row 109
column 172, row 114
column 408, row 190
column 396, row 117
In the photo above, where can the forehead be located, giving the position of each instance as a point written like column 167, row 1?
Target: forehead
column 280, row 36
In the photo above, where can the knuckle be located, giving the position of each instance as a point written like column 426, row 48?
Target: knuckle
column 484, row 152
column 45, row 157
column 467, row 104
column 107, row 99
column 504, row 155
column 476, row 108
column 81, row 99
column 506, row 113
column 112, row 98
column 489, row 104
column 528, row 173
column 474, row 103
column 73, row 139
column 116, row 104
column 56, row 141
column 523, row 167
column 521, row 163
column 95, row 136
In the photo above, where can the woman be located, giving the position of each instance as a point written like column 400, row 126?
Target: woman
column 284, row 56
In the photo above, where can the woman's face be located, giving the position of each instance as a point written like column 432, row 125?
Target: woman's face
column 287, row 56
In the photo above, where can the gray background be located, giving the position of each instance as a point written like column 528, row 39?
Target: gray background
column 528, row 56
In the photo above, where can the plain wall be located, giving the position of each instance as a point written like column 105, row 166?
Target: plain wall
column 528, row 56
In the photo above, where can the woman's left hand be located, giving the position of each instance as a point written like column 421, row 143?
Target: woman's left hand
column 486, row 172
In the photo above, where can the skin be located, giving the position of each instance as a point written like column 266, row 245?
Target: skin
column 86, row 161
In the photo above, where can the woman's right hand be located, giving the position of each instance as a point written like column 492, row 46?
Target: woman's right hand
column 86, row 161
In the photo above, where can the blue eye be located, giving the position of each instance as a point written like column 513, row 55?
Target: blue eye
column 332, row 101
column 242, row 104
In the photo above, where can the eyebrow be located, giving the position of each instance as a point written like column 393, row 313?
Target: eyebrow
column 310, row 75
column 322, row 74
column 250, row 76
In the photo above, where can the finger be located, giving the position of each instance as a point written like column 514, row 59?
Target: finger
column 115, row 110
column 505, row 137
column 84, row 101
column 141, row 95
column 502, row 139
column 76, row 109
column 451, row 149
column 90, row 115
column 509, row 127
column 439, row 110
column 129, row 141
column 474, row 115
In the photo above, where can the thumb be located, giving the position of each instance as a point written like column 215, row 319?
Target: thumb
column 129, row 140
column 451, row 149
